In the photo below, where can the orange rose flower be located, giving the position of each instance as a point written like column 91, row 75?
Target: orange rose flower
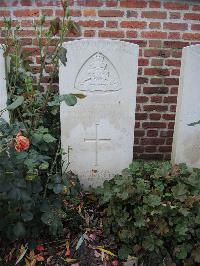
column 21, row 143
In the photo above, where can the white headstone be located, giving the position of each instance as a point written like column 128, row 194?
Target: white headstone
column 99, row 130
column 3, row 91
column 186, row 144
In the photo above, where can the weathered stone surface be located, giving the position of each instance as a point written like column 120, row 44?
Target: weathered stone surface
column 3, row 92
column 99, row 130
column 186, row 144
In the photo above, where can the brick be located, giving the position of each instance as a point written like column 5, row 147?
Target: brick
column 89, row 33
column 176, row 44
column 173, row 108
column 156, row 72
column 4, row 13
column 150, row 148
column 25, row 41
column 133, row 3
column 139, row 133
column 170, row 99
column 156, row 107
column 154, row 34
column 154, row 25
column 168, row 116
column 110, row 13
column 91, row 3
column 174, row 35
column 171, row 81
column 175, row 26
column 41, row 3
column 131, row 14
column 156, row 99
column 154, row 125
column 176, row 6
column 140, row 116
column 111, row 34
column 152, row 141
column 152, row 133
column 91, row 23
column 196, row 8
column 131, row 34
column 177, row 53
column 155, row 43
column 26, row 13
column 133, row 24
column 156, row 62
column 165, row 148
column 166, row 133
column 89, row 12
column 174, row 90
column 155, row 116
column 156, row 53
column 151, row 156
column 141, row 80
column 25, row 33
column 111, row 24
column 138, row 149
column 111, row 3
column 171, row 125
column 143, row 62
column 73, row 13
column 154, row 4
column 141, row 43
column 47, row 12
column 174, row 15
column 191, row 36
column 153, row 90
column 26, row 2
column 173, row 62
column 142, row 99
column 195, row 27
column 3, row 3
column 154, row 14
column 192, row 16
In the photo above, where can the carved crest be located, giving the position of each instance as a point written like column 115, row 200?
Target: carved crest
column 98, row 74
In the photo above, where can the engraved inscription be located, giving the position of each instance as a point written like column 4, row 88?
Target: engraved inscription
column 98, row 74
column 96, row 140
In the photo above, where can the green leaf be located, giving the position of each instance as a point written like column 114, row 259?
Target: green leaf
column 152, row 200
column 27, row 216
column 58, row 188
column 47, row 218
column 124, row 252
column 194, row 123
column 48, row 138
column 179, row 191
column 19, row 229
column 19, row 101
column 62, row 55
column 44, row 166
column 79, row 95
column 69, row 99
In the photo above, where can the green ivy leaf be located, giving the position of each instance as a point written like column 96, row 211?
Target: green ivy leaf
column 48, row 138
column 69, row 99
column 27, row 216
column 152, row 200
column 179, row 191
column 47, row 218
column 19, row 101
column 19, row 229
column 124, row 252
column 44, row 166
column 62, row 55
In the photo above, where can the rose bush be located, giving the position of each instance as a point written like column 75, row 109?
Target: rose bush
column 32, row 183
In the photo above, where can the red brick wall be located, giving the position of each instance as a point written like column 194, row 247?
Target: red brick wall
column 161, row 28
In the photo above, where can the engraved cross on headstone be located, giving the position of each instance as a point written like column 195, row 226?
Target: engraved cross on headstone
column 96, row 140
